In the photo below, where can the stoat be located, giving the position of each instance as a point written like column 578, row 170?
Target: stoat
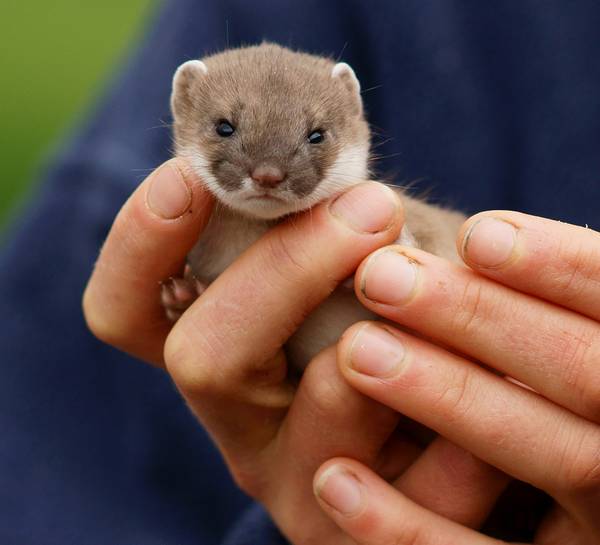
column 272, row 132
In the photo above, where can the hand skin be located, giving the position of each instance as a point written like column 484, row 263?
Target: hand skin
column 230, row 367
column 527, row 308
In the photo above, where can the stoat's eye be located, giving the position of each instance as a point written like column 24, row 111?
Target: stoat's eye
column 316, row 137
column 224, row 128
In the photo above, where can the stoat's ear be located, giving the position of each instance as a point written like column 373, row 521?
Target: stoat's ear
column 344, row 73
column 347, row 76
column 186, row 76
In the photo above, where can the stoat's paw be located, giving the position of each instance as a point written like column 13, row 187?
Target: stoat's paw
column 177, row 294
column 348, row 283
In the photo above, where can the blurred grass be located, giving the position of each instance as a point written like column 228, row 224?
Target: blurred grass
column 54, row 59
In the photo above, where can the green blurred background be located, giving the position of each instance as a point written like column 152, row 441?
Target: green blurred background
column 55, row 57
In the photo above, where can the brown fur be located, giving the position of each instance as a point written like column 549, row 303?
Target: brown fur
column 274, row 98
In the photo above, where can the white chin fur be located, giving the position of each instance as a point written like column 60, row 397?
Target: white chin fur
column 349, row 168
column 244, row 200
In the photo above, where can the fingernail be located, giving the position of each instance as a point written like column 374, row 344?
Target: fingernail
column 389, row 277
column 376, row 352
column 168, row 196
column 366, row 208
column 489, row 243
column 340, row 490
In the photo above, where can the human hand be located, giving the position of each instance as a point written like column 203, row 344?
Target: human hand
column 527, row 309
column 231, row 369
column 147, row 244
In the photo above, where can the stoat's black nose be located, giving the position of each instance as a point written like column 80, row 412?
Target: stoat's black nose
column 267, row 176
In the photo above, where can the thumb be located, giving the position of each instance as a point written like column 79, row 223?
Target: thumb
column 148, row 243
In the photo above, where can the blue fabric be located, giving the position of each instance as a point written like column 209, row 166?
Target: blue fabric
column 488, row 105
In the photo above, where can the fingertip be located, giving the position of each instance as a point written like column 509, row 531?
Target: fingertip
column 346, row 344
column 171, row 206
column 167, row 194
column 352, row 495
column 340, row 463
column 171, row 189
column 388, row 276
column 462, row 233
column 189, row 175
column 489, row 243
column 370, row 510
column 370, row 207
column 337, row 487
column 466, row 230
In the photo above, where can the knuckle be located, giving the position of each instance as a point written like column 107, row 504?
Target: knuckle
column 286, row 255
column 107, row 329
column 177, row 359
column 325, row 387
column 469, row 308
column 189, row 366
column 456, row 398
column 571, row 349
column 576, row 268
column 578, row 355
column 580, row 471
column 591, row 398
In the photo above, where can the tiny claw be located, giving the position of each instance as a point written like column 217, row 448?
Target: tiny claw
column 187, row 272
column 184, row 292
column 200, row 287
column 173, row 315
column 177, row 294
column 167, row 293
column 348, row 283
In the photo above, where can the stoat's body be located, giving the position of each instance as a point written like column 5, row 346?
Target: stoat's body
column 273, row 132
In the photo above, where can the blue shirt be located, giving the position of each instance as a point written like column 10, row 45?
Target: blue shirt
column 486, row 105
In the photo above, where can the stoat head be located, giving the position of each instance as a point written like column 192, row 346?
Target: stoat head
column 268, row 130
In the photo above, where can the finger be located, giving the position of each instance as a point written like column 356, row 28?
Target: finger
column 224, row 354
column 327, row 418
column 509, row 427
column 396, row 456
column 549, row 348
column 375, row 513
column 147, row 244
column 549, row 259
column 453, row 483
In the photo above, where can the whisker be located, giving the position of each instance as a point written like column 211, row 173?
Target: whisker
column 341, row 52
column 162, row 125
column 371, row 88
column 389, row 156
